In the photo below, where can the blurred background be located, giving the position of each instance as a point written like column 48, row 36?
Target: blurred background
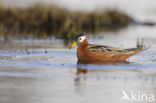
column 36, row 65
column 62, row 19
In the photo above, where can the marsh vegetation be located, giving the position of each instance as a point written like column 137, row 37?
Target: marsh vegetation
column 40, row 21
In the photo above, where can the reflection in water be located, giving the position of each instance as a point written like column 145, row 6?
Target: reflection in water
column 81, row 72
column 118, row 79
column 103, row 62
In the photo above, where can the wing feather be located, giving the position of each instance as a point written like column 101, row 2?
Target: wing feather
column 102, row 48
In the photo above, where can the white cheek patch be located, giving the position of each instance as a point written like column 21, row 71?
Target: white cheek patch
column 82, row 38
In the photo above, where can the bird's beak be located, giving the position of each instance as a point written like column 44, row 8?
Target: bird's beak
column 74, row 44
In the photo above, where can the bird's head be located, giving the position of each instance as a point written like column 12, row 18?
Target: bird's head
column 78, row 38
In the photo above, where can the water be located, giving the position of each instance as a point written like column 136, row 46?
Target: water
column 48, row 71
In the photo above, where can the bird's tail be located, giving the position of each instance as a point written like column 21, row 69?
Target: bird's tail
column 141, row 45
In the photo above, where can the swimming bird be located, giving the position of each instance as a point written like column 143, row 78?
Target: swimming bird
column 93, row 52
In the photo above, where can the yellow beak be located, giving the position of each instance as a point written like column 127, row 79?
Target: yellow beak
column 74, row 44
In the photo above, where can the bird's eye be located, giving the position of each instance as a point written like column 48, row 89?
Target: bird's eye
column 79, row 39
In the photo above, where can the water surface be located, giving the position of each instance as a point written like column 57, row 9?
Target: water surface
column 39, row 71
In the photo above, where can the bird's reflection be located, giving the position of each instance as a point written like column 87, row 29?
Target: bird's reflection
column 81, row 71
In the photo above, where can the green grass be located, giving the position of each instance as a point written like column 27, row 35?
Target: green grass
column 45, row 21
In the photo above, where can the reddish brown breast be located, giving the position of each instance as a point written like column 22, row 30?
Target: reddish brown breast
column 82, row 49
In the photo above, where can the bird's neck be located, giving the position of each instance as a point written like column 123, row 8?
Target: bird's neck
column 84, row 44
column 82, row 48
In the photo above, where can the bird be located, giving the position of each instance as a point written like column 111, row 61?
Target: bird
column 92, row 52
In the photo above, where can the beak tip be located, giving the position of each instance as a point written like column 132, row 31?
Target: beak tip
column 74, row 44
